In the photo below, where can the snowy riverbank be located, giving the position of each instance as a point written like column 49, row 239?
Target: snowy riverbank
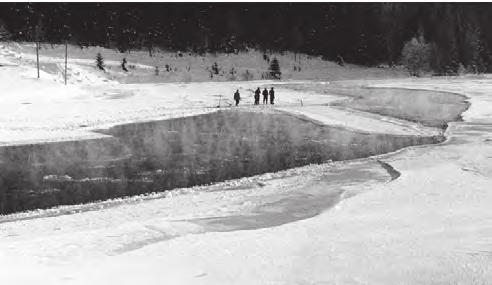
column 429, row 226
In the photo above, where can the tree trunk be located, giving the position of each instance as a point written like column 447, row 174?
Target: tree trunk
column 37, row 56
column 66, row 59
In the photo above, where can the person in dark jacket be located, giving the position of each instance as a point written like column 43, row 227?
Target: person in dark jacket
column 272, row 95
column 257, row 96
column 237, row 97
column 265, row 96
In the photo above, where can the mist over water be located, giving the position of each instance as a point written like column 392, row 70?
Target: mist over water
column 162, row 155
column 428, row 107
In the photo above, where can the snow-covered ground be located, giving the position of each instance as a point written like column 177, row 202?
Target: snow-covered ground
column 33, row 110
column 185, row 66
column 37, row 110
column 336, row 223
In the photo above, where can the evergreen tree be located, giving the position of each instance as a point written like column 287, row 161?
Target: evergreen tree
column 473, row 51
column 100, row 61
column 4, row 33
column 367, row 34
column 275, row 69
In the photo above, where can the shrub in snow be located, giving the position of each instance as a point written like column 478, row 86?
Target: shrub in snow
column 100, row 62
column 461, row 69
column 215, row 68
column 340, row 60
column 416, row 56
column 246, row 76
column 156, row 71
column 232, row 74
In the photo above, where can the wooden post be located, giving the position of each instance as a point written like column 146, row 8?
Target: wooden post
column 37, row 56
column 66, row 58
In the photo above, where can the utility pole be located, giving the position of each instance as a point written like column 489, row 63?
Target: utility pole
column 66, row 58
column 37, row 56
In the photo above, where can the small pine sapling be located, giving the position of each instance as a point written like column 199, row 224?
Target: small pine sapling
column 100, row 62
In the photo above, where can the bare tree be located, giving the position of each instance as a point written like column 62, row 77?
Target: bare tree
column 416, row 56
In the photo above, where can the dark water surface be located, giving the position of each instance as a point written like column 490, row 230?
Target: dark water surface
column 157, row 156
column 429, row 107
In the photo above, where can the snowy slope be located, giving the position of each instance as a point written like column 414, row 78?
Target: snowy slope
column 189, row 67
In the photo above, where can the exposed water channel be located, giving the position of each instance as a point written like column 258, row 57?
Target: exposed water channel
column 157, row 156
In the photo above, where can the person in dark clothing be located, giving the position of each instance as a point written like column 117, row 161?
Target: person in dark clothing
column 257, row 96
column 265, row 96
column 237, row 97
column 272, row 95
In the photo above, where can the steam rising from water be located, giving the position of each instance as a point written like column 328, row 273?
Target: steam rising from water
column 156, row 156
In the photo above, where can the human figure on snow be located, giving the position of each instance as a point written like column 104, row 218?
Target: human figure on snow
column 237, row 97
column 272, row 95
column 123, row 65
column 265, row 96
column 257, row 96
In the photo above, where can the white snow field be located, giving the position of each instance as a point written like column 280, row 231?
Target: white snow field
column 346, row 222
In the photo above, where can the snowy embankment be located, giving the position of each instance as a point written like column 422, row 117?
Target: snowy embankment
column 431, row 225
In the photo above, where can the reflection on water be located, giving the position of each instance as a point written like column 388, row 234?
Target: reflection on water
column 157, row 156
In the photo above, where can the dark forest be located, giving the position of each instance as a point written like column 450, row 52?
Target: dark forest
column 458, row 34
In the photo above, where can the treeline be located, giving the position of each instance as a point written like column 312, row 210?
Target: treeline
column 458, row 35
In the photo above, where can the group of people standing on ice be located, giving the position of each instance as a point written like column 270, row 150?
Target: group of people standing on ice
column 265, row 93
